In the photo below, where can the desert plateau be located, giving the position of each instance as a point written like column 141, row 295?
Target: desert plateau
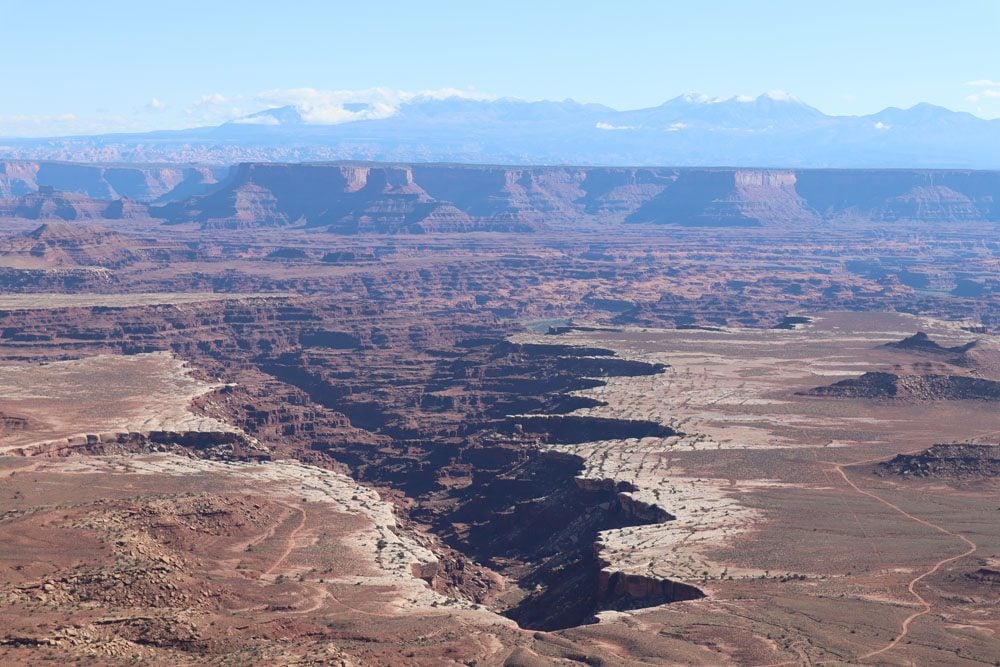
column 368, row 414
column 520, row 334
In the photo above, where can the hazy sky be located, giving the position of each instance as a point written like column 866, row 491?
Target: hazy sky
column 75, row 66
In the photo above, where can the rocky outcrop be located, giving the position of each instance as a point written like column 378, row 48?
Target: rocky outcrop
column 420, row 198
column 957, row 460
column 920, row 342
column 218, row 444
column 911, row 387
column 49, row 204
column 618, row 590
column 125, row 209
column 12, row 423
column 60, row 244
column 985, row 575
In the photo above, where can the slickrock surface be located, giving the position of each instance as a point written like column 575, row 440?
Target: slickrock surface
column 383, row 556
column 751, row 445
column 94, row 399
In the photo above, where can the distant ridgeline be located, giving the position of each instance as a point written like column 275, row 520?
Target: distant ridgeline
column 772, row 130
column 423, row 198
column 142, row 183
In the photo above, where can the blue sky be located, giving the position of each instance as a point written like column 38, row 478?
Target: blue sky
column 73, row 66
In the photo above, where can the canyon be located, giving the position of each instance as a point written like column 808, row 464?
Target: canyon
column 360, row 413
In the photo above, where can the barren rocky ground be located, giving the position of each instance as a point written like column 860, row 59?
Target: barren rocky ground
column 617, row 444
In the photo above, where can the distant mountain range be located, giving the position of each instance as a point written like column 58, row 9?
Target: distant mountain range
column 772, row 130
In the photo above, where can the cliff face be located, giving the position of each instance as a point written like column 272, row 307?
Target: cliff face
column 49, row 204
column 420, row 198
column 342, row 198
column 353, row 198
column 902, row 194
column 98, row 181
column 716, row 197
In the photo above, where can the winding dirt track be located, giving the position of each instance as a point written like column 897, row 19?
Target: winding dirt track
column 290, row 541
column 322, row 593
column 912, row 587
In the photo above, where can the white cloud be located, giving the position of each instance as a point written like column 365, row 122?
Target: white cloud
column 28, row 125
column 780, row 96
column 882, row 126
column 328, row 106
column 987, row 94
column 775, row 95
column 331, row 107
column 676, row 127
column 609, row 126
column 28, row 119
column 258, row 120
column 469, row 93
column 215, row 108
column 701, row 98
column 212, row 100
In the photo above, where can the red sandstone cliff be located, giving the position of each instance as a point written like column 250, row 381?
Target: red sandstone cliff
column 419, row 198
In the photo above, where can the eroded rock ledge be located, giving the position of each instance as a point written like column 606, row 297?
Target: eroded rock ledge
column 220, row 445
column 911, row 387
column 966, row 460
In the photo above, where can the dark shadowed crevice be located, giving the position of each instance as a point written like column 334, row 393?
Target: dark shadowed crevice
column 469, row 458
